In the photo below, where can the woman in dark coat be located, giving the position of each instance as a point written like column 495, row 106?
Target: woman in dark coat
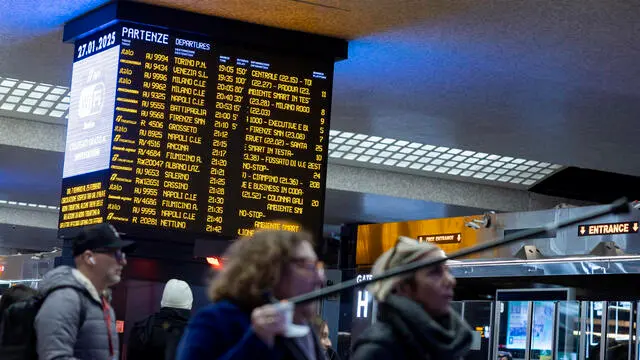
column 415, row 320
column 242, row 323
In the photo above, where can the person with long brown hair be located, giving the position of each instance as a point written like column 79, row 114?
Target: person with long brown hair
column 242, row 322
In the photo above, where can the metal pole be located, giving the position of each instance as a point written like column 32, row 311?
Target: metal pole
column 604, row 330
column 527, row 346
column 584, row 305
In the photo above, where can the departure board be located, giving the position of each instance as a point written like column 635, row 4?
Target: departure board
column 175, row 132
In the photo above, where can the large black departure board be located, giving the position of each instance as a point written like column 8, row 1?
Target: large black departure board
column 175, row 132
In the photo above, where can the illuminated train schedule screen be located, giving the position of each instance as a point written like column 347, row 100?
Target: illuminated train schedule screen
column 176, row 132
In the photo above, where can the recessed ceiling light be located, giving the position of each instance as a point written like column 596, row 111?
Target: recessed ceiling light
column 442, row 170
column 419, row 152
column 59, row 91
column 424, row 160
column 454, row 172
column 9, row 83
column 466, row 173
column 346, row 134
column 480, row 175
column 371, row 152
column 402, row 143
column 13, row 99
column 459, row 158
column 334, row 132
column 491, row 177
column 35, row 95
column 393, row 148
column 442, row 149
column 504, row 178
column 52, row 97
column 385, row 154
column 338, row 140
column 398, row 156
column 388, row 141
column 528, row 182
column 374, row 138
column 46, row 104
column 406, row 150
column 358, row 150
column 446, row 156
column 40, row 111
column 416, row 166
column 509, row 166
column 25, row 85
column 360, row 137
column 377, row 160
column 4, row 90
column 332, row 146
column 42, row 88
column 379, row 146
column 366, row 144
column 18, row 92
column 7, row 106
column 463, row 166
column 428, row 168
column 518, row 161
column 23, row 109
column 471, row 160
column 390, row 162
column 437, row 162
column 517, row 180
column 336, row 154
column 403, row 164
column 411, row 158
column 344, row 148
column 56, row 113
column 352, row 142
column 500, row 171
column 428, row 148
column 349, row 156
column 451, row 163
column 414, row 145
column 363, row 158
column 434, row 154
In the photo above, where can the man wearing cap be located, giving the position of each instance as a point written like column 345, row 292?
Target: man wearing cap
column 415, row 320
column 77, row 321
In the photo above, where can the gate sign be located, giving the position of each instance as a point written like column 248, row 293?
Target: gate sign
column 629, row 227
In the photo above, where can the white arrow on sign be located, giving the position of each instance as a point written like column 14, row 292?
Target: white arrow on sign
column 582, row 230
column 635, row 226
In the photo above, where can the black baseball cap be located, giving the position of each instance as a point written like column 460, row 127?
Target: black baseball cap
column 100, row 236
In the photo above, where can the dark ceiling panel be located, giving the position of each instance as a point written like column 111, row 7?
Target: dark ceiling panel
column 590, row 185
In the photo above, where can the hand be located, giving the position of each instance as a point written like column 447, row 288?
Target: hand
column 267, row 322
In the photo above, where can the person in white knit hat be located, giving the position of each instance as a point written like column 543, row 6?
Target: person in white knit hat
column 158, row 336
column 415, row 320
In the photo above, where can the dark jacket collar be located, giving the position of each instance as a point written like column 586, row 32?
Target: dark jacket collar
column 423, row 336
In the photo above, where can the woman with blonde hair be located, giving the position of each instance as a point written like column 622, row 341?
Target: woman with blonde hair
column 242, row 322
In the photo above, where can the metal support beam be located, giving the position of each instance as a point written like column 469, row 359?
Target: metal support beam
column 373, row 181
column 32, row 134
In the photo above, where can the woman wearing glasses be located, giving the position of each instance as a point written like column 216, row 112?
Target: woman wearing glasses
column 415, row 320
column 242, row 322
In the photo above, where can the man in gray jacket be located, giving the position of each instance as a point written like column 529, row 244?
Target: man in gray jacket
column 78, row 322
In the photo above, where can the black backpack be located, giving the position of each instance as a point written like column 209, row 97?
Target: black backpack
column 144, row 337
column 18, row 334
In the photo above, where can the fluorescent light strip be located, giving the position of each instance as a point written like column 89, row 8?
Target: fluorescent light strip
column 441, row 160
column 28, row 204
column 33, row 98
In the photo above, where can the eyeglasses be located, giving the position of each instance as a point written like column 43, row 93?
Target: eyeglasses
column 118, row 254
column 307, row 264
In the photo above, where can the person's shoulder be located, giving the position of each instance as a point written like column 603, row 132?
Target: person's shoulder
column 221, row 311
column 376, row 342
column 379, row 332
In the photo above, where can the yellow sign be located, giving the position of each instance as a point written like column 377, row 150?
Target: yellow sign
column 608, row 229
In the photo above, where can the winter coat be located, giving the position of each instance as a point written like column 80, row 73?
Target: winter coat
column 405, row 331
column 72, row 323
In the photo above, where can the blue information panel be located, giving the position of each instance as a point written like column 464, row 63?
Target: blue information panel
column 172, row 133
